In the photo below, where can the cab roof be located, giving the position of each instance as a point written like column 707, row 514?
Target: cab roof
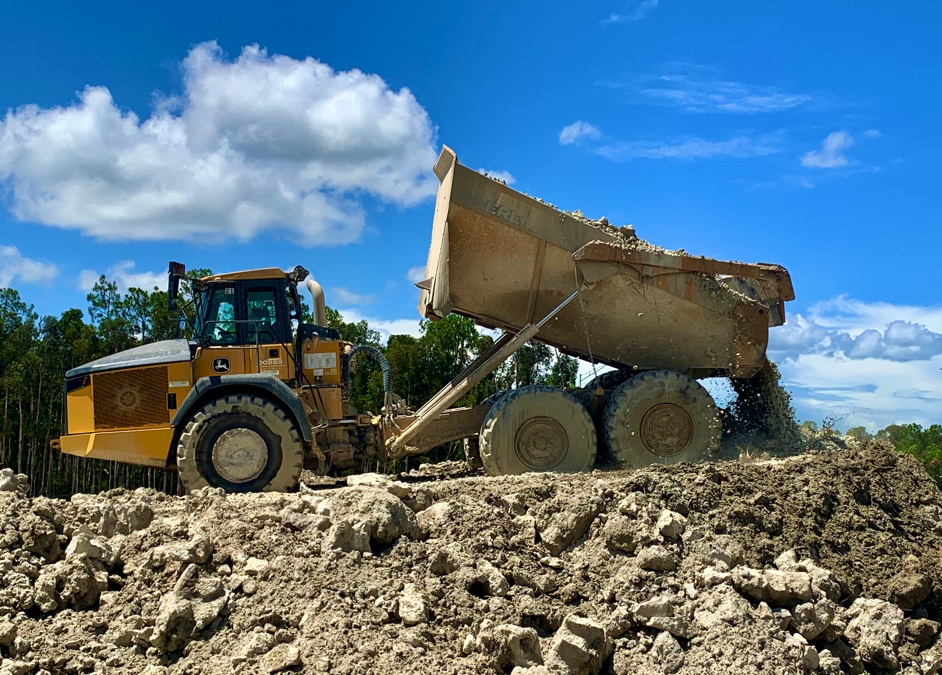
column 265, row 273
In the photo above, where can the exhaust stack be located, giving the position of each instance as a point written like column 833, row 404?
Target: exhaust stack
column 319, row 307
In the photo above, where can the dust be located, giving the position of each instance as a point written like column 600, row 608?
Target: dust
column 760, row 418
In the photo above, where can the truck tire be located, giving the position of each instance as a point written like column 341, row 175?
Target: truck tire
column 241, row 443
column 660, row 417
column 537, row 428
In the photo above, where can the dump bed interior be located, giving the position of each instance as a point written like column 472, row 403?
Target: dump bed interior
column 506, row 260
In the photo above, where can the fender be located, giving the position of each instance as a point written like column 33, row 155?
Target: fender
column 220, row 385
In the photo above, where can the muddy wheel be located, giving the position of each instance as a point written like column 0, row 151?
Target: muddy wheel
column 240, row 443
column 537, row 428
column 661, row 417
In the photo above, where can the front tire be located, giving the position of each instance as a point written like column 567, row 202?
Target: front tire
column 537, row 428
column 661, row 417
column 240, row 443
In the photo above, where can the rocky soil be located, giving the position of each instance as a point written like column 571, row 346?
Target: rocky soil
column 823, row 563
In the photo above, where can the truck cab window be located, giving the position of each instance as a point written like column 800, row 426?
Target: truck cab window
column 220, row 325
column 264, row 326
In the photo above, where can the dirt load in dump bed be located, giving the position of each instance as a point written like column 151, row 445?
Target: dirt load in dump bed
column 825, row 563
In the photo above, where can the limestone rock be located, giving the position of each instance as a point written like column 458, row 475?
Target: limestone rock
column 811, row 619
column 620, row 534
column 875, row 629
column 282, row 657
column 668, row 653
column 670, row 524
column 174, row 625
column 823, row 582
column 711, row 576
column 7, row 633
column 514, row 503
column 773, row 586
column 413, row 609
column 256, row 567
column 720, row 607
column 44, row 591
column 93, row 548
column 11, row 482
column 580, row 647
column 511, row 645
column 437, row 517
column 379, row 481
column 657, row 559
column 655, row 607
column 563, row 521
column 382, row 516
column 258, row 644
column 39, row 536
column 444, row 561
column 347, row 535
column 80, row 582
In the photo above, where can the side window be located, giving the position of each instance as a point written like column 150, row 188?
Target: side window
column 263, row 326
column 221, row 317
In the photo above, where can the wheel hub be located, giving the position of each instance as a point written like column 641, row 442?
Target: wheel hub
column 541, row 443
column 666, row 429
column 239, row 455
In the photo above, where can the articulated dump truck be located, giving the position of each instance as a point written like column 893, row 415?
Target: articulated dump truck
column 257, row 395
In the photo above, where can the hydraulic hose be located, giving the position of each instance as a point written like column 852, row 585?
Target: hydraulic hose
column 377, row 356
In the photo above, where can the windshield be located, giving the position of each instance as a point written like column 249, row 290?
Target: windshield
column 217, row 322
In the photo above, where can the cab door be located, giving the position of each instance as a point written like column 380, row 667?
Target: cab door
column 267, row 329
column 222, row 351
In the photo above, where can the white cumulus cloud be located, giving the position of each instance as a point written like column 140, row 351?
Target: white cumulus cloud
column 577, row 131
column 124, row 275
column 831, row 153
column 870, row 364
column 256, row 143
column 13, row 266
column 386, row 327
column 416, row 274
column 348, row 297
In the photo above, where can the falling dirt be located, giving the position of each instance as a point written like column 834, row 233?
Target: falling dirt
column 826, row 562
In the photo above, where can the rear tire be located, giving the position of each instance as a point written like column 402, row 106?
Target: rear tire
column 661, row 417
column 537, row 428
column 240, row 443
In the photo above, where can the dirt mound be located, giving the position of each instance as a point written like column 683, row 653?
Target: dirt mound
column 820, row 563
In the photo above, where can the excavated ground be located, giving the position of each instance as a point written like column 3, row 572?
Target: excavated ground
column 827, row 562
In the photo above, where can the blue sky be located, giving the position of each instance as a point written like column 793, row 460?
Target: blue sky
column 237, row 135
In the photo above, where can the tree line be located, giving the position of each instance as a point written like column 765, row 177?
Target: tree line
column 36, row 351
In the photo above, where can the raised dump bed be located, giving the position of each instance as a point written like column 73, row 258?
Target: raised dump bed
column 507, row 260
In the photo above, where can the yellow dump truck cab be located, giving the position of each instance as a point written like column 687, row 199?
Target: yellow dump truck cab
column 254, row 396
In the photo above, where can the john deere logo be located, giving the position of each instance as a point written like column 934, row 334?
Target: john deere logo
column 220, row 365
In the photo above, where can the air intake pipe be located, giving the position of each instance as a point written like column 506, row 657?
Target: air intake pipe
column 319, row 307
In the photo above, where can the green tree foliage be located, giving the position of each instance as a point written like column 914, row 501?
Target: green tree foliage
column 535, row 363
column 923, row 444
column 34, row 356
column 859, row 434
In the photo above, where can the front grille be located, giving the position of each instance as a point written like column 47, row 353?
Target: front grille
column 131, row 398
